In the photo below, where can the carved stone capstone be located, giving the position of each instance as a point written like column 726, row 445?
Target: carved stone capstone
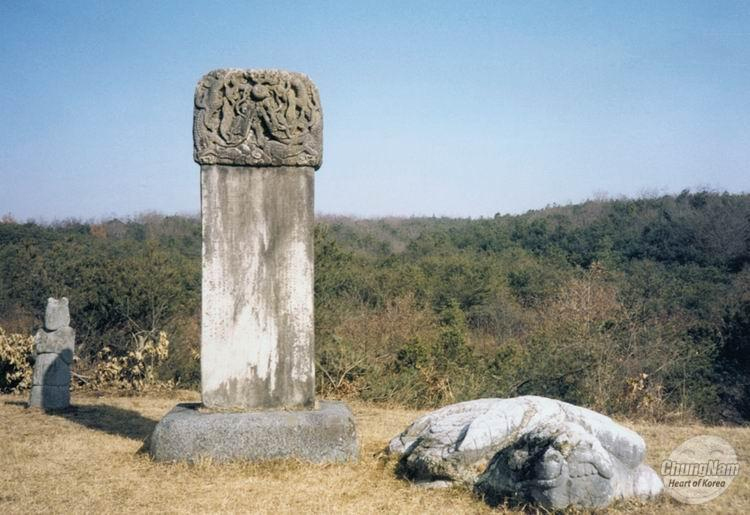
column 263, row 118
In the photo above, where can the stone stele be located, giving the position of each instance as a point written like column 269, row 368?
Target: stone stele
column 258, row 141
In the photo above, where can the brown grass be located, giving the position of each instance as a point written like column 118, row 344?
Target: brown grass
column 87, row 460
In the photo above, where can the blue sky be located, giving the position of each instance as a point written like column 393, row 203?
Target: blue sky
column 444, row 108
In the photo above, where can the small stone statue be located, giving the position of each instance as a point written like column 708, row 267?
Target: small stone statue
column 53, row 347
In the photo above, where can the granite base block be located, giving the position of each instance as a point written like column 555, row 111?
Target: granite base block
column 188, row 433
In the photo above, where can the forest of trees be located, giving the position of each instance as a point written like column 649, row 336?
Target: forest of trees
column 638, row 307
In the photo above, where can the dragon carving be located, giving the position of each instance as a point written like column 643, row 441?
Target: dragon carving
column 257, row 118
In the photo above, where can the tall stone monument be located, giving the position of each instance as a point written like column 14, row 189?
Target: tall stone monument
column 258, row 139
column 53, row 348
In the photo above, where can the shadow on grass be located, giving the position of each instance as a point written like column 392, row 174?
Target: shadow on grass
column 109, row 419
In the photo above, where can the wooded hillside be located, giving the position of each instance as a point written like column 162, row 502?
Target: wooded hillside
column 638, row 307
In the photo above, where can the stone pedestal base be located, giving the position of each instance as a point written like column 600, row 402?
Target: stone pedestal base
column 187, row 433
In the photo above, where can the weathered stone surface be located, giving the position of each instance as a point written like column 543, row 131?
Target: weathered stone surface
column 319, row 435
column 257, row 137
column 257, row 118
column 49, row 397
column 53, row 346
column 52, row 370
column 257, row 333
column 528, row 450
column 56, row 315
column 60, row 342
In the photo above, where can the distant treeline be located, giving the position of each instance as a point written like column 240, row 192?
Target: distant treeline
column 638, row 307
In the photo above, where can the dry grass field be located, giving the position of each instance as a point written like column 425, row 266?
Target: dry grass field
column 87, row 460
